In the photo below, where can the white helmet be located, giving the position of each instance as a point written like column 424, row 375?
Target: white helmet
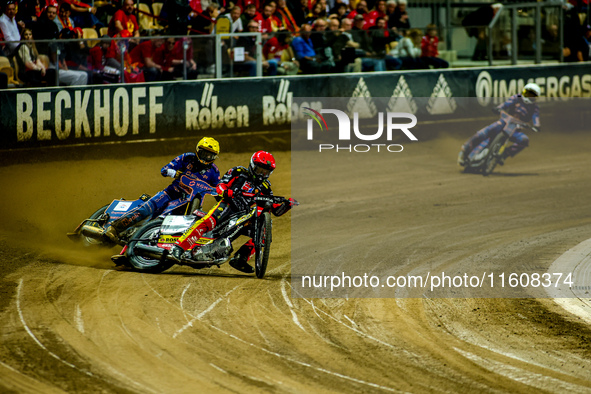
column 530, row 92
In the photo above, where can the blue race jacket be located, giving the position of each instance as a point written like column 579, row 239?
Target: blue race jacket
column 515, row 106
column 188, row 163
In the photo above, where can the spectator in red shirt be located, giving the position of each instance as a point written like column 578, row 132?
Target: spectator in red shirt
column 143, row 56
column 244, row 4
column 104, row 55
column 378, row 12
column 269, row 23
column 362, row 10
column 98, row 56
column 169, row 56
column 125, row 20
column 250, row 14
column 278, row 49
column 429, row 51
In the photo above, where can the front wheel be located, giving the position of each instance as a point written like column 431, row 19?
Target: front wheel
column 263, row 245
column 147, row 235
column 493, row 154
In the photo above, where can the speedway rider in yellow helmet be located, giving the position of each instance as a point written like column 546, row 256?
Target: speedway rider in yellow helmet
column 198, row 164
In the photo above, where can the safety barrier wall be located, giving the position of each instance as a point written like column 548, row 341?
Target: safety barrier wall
column 114, row 113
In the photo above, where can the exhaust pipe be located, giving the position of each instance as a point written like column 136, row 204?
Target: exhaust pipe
column 152, row 252
column 92, row 232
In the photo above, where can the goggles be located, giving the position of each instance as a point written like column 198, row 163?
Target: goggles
column 206, row 155
column 264, row 172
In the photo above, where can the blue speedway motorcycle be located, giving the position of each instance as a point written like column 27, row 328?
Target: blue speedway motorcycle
column 485, row 157
column 91, row 231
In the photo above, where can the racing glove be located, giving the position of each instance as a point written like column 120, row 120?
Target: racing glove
column 235, row 200
column 173, row 174
column 238, row 203
column 281, row 209
column 227, row 195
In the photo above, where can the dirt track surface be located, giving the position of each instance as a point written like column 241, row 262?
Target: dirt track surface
column 70, row 322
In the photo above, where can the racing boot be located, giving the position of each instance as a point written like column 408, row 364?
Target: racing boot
column 461, row 158
column 240, row 259
column 501, row 159
column 121, row 224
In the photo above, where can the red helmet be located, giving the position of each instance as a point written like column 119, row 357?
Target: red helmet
column 261, row 165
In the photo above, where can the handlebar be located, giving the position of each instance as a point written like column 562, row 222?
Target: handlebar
column 263, row 200
column 519, row 123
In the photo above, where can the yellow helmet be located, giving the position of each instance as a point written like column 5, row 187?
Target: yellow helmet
column 207, row 150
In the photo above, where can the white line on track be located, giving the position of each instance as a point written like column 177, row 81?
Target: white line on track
column 520, row 375
column 78, row 319
column 12, row 369
column 109, row 367
column 303, row 364
column 37, row 341
column 181, row 301
column 218, row 368
column 203, row 313
column 289, row 359
column 576, row 261
column 359, row 332
column 294, row 316
column 315, row 312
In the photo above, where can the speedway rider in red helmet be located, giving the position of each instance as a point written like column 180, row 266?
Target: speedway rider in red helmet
column 237, row 190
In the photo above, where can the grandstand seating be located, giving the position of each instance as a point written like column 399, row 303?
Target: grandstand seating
column 157, row 8
column 146, row 21
column 89, row 32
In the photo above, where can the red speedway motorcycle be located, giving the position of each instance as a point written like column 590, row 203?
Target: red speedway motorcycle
column 148, row 250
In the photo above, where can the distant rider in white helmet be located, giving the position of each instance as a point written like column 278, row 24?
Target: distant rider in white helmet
column 521, row 106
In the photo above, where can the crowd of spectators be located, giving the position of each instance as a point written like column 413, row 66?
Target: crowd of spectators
column 313, row 37
column 299, row 36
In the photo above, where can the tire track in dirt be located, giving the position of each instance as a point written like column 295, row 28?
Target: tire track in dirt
column 218, row 330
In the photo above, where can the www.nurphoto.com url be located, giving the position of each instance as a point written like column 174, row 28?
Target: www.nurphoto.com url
column 440, row 280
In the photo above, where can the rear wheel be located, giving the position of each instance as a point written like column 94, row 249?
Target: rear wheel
column 492, row 158
column 147, row 235
column 94, row 242
column 263, row 245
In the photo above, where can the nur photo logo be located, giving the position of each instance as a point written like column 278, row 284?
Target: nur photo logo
column 388, row 124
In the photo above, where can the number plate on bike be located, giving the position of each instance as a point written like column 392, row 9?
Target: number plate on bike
column 175, row 224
